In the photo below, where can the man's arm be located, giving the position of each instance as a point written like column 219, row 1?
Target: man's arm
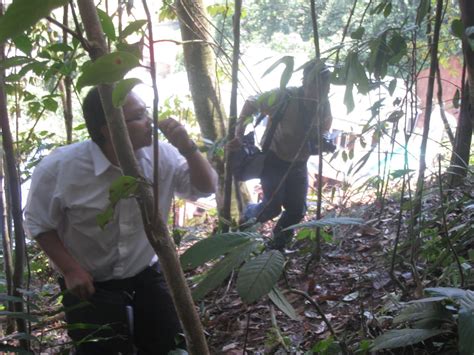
column 201, row 173
column 247, row 111
column 78, row 281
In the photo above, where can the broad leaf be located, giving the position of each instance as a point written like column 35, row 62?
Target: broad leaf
column 423, row 311
column 457, row 28
column 23, row 43
column 337, row 221
column 14, row 61
column 258, row 276
column 466, row 331
column 107, row 69
column 450, row 292
column 122, row 89
column 223, row 268
column 392, row 86
column 105, row 217
column 123, row 187
column 22, row 14
column 213, row 247
column 132, row 27
column 107, row 24
column 423, row 8
column 289, row 63
column 358, row 34
column 399, row 338
column 457, row 99
column 20, row 315
column 279, row 299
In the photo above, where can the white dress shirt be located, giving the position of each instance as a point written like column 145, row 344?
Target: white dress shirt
column 70, row 187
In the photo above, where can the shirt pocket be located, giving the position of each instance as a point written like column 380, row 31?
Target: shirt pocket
column 83, row 220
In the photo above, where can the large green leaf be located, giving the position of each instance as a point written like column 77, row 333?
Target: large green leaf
column 258, row 276
column 423, row 311
column 22, row 14
column 122, row 89
column 279, row 299
column 223, row 268
column 451, row 292
column 107, row 24
column 132, row 27
column 398, row 338
column 289, row 63
column 214, row 246
column 337, row 221
column 107, row 69
column 466, row 331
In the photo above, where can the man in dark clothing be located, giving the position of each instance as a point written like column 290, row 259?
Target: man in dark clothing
column 284, row 178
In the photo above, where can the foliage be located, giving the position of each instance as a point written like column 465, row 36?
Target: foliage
column 449, row 311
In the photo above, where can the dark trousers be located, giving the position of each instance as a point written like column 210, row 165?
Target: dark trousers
column 291, row 195
column 99, row 326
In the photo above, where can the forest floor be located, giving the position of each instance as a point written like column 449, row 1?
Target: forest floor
column 351, row 284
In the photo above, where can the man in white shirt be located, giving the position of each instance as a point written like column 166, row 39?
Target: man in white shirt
column 116, row 266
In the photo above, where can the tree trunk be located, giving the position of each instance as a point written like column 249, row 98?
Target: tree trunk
column 15, row 190
column 463, row 139
column 199, row 60
column 156, row 229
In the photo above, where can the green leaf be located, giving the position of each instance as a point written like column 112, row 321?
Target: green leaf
column 50, row 104
column 451, row 292
column 358, row 34
column 7, row 298
column 392, row 86
column 422, row 11
column 134, row 26
column 23, row 43
column 398, row 338
column 20, row 315
column 60, row 47
column 134, row 48
column 279, row 299
column 22, row 14
column 388, row 10
column 423, row 311
column 105, row 217
column 336, row 221
column 396, row 174
column 14, row 61
column 223, row 268
column 107, row 69
column 213, row 247
column 457, row 28
column 123, row 187
column 258, row 276
column 107, row 25
column 122, row 89
column 395, row 116
column 289, row 63
column 466, row 331
column 397, row 48
column 457, row 99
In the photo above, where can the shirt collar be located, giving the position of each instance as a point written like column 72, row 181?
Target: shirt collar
column 100, row 161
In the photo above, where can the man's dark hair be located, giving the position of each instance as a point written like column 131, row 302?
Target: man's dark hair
column 94, row 116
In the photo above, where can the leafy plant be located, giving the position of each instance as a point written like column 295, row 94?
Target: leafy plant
column 449, row 311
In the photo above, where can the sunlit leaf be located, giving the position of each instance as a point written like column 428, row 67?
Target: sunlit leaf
column 105, row 217
column 107, row 69
column 107, row 24
column 259, row 275
column 123, row 187
column 122, row 89
column 22, row 14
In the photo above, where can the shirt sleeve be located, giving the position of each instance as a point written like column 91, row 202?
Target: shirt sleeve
column 42, row 211
column 182, row 179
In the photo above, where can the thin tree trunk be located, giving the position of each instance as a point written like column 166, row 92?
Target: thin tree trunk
column 233, row 112
column 15, row 190
column 156, row 229
column 463, row 139
column 65, row 85
column 7, row 250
